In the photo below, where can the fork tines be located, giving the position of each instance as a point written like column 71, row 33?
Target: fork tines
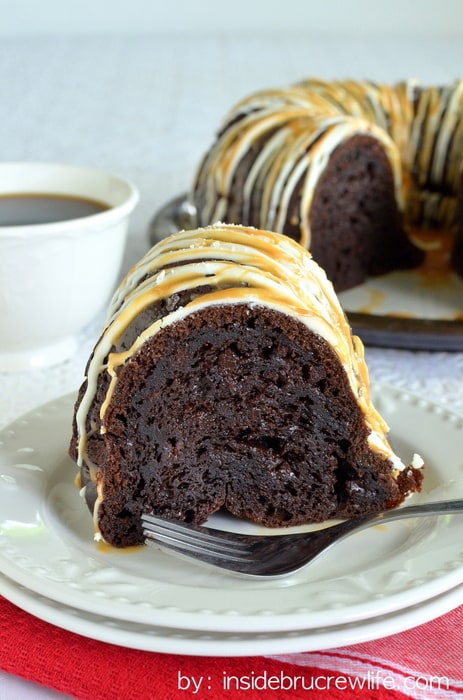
column 193, row 538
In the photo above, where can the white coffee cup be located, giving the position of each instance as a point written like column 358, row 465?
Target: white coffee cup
column 55, row 277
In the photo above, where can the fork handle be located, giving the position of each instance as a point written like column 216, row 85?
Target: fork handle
column 432, row 508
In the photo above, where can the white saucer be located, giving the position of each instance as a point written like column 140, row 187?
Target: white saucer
column 195, row 642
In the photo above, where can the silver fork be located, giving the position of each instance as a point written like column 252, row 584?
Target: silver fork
column 269, row 556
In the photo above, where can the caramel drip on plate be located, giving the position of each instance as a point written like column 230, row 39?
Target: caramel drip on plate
column 437, row 245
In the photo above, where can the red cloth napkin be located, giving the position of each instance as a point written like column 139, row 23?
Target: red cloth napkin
column 425, row 662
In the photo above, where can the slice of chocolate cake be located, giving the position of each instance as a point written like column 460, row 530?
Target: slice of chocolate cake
column 227, row 377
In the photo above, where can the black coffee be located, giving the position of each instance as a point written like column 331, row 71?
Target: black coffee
column 26, row 209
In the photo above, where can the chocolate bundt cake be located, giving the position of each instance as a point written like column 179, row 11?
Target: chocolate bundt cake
column 227, row 377
column 351, row 170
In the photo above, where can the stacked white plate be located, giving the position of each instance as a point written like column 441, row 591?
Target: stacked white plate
column 375, row 583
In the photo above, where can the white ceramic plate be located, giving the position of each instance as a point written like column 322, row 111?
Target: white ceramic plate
column 46, row 542
column 195, row 642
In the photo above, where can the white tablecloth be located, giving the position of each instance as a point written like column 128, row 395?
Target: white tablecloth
column 146, row 108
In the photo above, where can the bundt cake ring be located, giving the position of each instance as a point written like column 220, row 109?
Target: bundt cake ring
column 353, row 170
